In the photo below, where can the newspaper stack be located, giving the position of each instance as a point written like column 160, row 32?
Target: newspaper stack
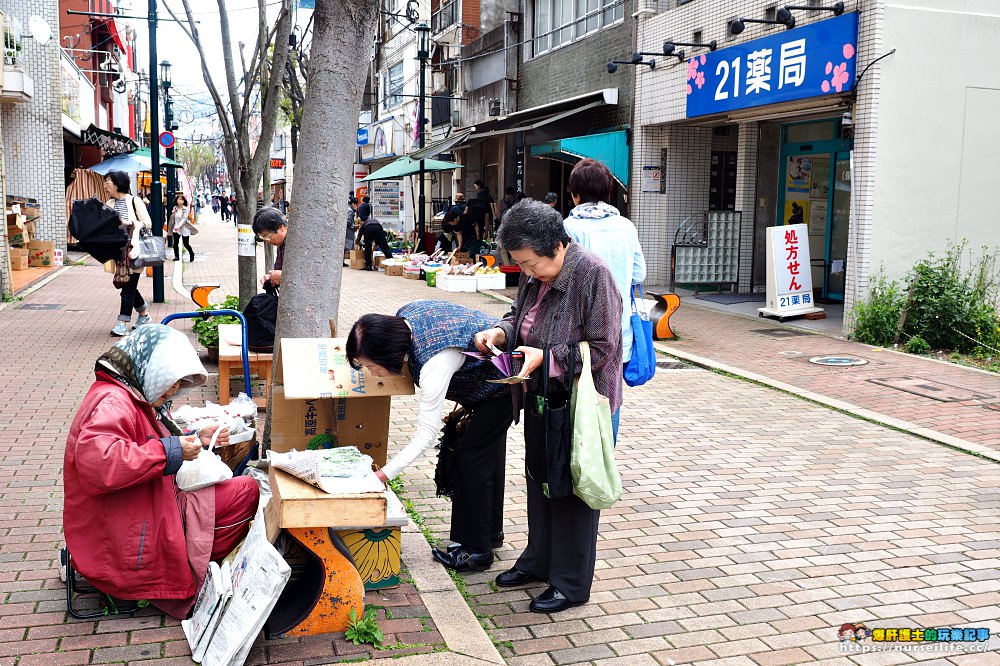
column 342, row 470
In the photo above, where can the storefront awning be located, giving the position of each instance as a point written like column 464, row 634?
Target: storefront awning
column 442, row 145
column 116, row 34
column 111, row 143
column 611, row 148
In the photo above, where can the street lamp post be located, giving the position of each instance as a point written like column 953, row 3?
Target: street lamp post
column 168, row 121
column 423, row 55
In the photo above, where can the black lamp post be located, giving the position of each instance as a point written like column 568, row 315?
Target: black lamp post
column 423, row 55
column 168, row 121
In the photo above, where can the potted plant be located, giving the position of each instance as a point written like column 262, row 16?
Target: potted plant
column 207, row 329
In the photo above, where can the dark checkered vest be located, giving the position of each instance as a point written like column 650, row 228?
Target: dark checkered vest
column 438, row 325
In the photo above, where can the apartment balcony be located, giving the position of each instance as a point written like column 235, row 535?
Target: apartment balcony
column 445, row 17
column 17, row 86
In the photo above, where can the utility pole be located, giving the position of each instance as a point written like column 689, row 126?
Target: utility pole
column 168, row 121
column 423, row 55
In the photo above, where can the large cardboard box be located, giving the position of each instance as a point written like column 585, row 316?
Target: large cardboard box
column 394, row 270
column 41, row 254
column 357, row 264
column 319, row 400
column 355, row 255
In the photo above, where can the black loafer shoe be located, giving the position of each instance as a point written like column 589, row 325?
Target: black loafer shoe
column 551, row 601
column 461, row 559
column 495, row 542
column 514, row 577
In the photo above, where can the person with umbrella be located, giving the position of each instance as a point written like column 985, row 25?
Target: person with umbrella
column 134, row 218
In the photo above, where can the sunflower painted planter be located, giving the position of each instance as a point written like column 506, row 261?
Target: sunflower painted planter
column 377, row 555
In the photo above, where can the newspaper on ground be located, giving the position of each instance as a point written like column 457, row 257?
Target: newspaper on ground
column 208, row 609
column 342, row 470
column 258, row 574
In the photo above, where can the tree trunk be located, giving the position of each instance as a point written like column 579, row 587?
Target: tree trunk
column 310, row 282
column 247, row 266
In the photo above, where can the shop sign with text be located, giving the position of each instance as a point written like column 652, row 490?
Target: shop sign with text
column 811, row 61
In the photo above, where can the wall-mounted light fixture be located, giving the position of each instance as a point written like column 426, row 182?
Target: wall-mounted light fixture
column 837, row 9
column 670, row 46
column 636, row 60
column 781, row 17
column 678, row 54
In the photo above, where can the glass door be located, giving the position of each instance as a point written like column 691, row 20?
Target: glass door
column 840, row 219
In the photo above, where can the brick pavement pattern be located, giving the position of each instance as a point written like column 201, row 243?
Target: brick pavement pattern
column 750, row 344
column 753, row 523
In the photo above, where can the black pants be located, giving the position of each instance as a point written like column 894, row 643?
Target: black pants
column 131, row 298
column 562, row 542
column 444, row 242
column 177, row 246
column 480, row 454
column 375, row 234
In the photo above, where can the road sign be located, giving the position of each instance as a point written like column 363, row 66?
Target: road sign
column 167, row 139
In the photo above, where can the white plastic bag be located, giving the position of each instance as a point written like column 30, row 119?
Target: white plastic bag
column 205, row 470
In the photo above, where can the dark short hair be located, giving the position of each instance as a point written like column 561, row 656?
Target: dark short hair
column 591, row 181
column 551, row 197
column 478, row 183
column 531, row 224
column 180, row 195
column 269, row 220
column 381, row 339
column 352, row 200
column 120, row 180
column 366, row 199
column 510, row 190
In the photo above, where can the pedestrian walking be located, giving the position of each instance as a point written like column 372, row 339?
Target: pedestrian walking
column 131, row 533
column 134, row 218
column 570, row 297
column 350, row 235
column 430, row 337
column 215, row 204
column 598, row 226
column 224, row 206
column 234, row 210
column 180, row 224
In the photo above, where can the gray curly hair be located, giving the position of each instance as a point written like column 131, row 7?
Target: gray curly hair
column 531, row 224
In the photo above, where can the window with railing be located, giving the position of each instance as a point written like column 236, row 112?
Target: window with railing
column 445, row 16
column 559, row 22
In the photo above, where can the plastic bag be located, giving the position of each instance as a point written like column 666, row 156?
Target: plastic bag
column 205, row 470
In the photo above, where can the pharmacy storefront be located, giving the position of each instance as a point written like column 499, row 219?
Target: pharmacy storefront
column 753, row 134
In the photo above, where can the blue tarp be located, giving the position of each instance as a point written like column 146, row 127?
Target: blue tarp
column 611, row 148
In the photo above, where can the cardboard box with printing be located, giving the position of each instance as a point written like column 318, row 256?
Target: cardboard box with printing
column 321, row 401
column 394, row 270
column 41, row 254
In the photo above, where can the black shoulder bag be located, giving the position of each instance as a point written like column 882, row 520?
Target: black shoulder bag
column 548, row 429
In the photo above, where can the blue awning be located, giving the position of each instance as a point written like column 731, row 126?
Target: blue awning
column 611, row 148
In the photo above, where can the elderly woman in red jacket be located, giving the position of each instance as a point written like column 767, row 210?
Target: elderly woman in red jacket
column 131, row 532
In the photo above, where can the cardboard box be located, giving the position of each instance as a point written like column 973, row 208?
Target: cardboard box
column 357, row 264
column 17, row 236
column 411, row 275
column 394, row 270
column 18, row 259
column 41, row 254
column 295, row 503
column 354, row 255
column 461, row 258
column 377, row 261
column 321, row 401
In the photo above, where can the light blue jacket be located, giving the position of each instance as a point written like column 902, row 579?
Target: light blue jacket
column 600, row 228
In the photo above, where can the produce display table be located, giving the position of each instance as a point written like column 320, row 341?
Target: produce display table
column 230, row 358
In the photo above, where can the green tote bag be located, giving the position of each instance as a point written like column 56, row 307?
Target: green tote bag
column 592, row 458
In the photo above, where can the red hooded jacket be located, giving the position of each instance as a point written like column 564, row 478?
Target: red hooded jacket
column 120, row 514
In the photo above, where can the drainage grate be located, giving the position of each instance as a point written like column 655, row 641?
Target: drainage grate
column 780, row 332
column 928, row 388
column 672, row 365
column 838, row 361
column 41, row 306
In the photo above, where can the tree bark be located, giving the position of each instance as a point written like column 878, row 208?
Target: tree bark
column 310, row 281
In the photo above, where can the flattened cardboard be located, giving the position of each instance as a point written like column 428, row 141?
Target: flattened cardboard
column 318, row 368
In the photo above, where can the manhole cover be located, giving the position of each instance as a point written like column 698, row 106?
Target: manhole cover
column 40, row 306
column 928, row 388
column 780, row 332
column 672, row 365
column 838, row 361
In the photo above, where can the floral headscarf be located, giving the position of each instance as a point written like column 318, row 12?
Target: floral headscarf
column 152, row 359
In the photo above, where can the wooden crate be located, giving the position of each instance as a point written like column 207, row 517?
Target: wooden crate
column 295, row 503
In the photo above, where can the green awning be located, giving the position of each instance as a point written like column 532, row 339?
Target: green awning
column 165, row 162
column 611, row 148
column 405, row 166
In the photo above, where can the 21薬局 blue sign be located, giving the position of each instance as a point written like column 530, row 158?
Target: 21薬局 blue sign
column 814, row 60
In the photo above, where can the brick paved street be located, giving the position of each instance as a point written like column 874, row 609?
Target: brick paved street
column 754, row 523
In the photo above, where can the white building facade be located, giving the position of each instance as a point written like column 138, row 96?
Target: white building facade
column 773, row 124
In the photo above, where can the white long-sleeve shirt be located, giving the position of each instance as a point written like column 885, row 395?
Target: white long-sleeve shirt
column 435, row 376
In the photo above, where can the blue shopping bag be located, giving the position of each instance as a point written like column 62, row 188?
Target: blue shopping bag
column 642, row 366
